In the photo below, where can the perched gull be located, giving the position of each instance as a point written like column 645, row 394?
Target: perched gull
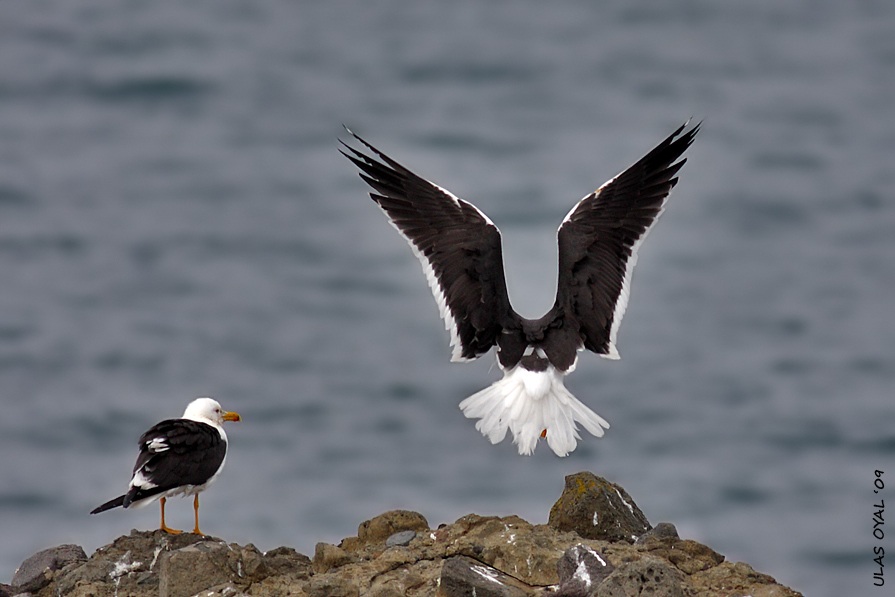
column 178, row 456
column 460, row 251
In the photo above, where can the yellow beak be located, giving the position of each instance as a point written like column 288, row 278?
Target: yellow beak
column 232, row 416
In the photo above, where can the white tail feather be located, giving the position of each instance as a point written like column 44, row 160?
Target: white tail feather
column 528, row 403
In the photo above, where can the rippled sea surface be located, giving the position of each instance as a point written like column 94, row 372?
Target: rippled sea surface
column 176, row 221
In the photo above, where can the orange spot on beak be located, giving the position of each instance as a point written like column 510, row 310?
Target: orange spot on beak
column 544, row 434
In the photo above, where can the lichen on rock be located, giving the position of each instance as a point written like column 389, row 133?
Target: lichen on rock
column 397, row 554
column 595, row 508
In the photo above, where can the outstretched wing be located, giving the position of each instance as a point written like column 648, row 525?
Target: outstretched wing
column 599, row 238
column 457, row 245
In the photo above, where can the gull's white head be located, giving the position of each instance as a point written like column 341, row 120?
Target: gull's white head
column 206, row 410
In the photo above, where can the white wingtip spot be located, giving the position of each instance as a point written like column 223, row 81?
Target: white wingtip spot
column 157, row 444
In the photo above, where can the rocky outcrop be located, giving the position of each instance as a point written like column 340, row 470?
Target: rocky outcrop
column 594, row 508
column 578, row 554
column 38, row 570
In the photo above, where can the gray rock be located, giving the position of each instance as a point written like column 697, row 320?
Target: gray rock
column 129, row 565
column 400, row 539
column 647, row 576
column 37, row 571
column 327, row 557
column 663, row 530
column 332, row 585
column 528, row 552
column 287, row 563
column 403, row 573
column 597, row 509
column 462, row 576
column 188, row 570
column 581, row 569
column 380, row 528
column 686, row 555
column 737, row 578
column 5, row 590
column 488, row 555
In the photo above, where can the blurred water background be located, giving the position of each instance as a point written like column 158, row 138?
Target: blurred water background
column 175, row 221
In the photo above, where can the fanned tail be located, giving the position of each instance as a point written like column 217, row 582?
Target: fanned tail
column 531, row 404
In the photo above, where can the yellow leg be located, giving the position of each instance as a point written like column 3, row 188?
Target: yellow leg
column 196, row 510
column 165, row 527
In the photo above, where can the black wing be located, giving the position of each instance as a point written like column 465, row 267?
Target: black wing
column 177, row 452
column 457, row 245
column 598, row 241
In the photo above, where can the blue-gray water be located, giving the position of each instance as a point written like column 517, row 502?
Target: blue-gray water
column 175, row 221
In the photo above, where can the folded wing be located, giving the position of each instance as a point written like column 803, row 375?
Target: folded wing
column 174, row 453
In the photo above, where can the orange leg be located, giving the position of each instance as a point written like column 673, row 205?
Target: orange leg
column 165, row 527
column 196, row 510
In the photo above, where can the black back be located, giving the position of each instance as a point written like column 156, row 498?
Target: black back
column 460, row 250
column 195, row 452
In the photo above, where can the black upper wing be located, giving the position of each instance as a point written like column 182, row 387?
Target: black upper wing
column 457, row 245
column 598, row 241
column 178, row 452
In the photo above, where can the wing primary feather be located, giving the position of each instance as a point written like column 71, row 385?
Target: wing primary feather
column 600, row 237
column 457, row 245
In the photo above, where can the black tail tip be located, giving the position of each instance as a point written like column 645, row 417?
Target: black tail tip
column 119, row 501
